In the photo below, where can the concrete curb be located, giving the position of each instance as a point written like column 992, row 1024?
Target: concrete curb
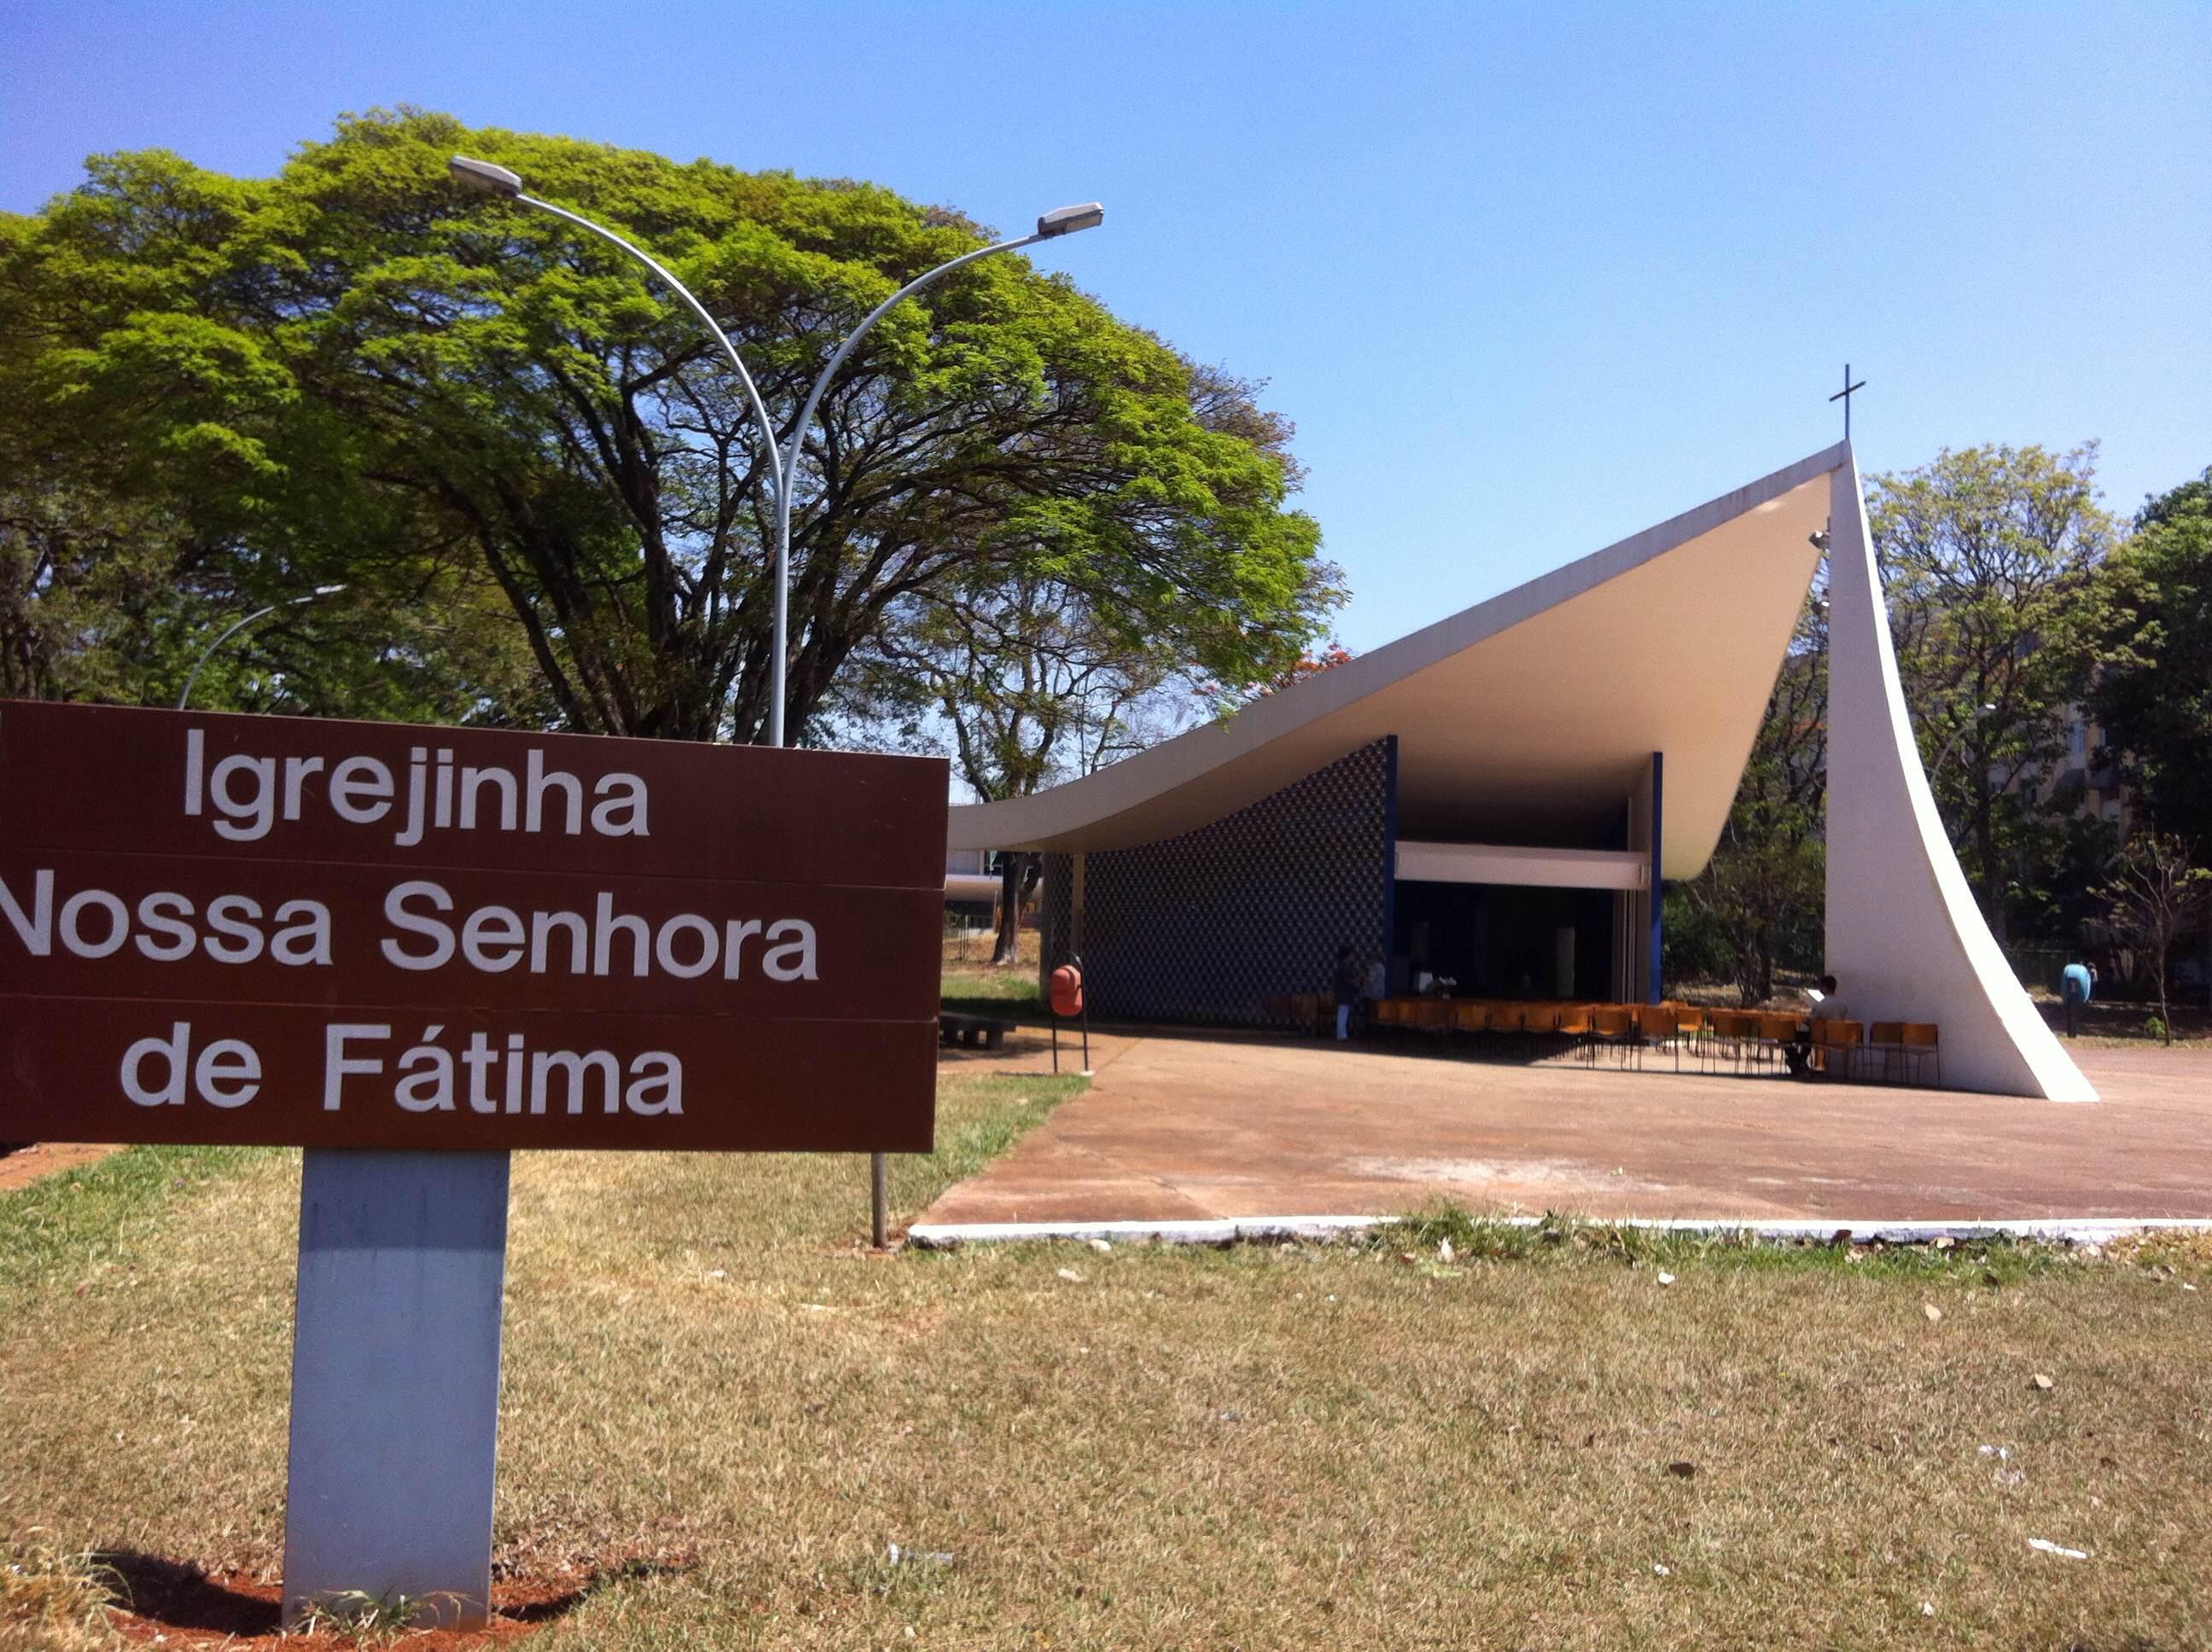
column 1247, row 1230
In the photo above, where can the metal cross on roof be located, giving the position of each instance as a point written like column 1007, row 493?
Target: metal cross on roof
column 1844, row 397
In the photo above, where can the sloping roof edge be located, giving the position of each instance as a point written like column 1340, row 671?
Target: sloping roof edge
column 1050, row 817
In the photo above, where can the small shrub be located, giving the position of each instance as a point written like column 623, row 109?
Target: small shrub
column 356, row 1615
column 1468, row 1234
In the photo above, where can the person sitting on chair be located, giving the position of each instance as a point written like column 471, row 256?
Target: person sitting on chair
column 1827, row 1006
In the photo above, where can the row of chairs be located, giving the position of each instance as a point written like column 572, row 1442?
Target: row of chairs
column 1888, row 1051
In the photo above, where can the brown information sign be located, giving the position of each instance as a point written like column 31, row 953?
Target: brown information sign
column 285, row 930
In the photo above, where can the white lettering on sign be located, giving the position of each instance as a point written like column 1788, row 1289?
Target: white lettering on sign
column 166, row 928
column 514, row 1079
column 496, row 939
column 227, row 1074
column 248, row 795
column 94, row 923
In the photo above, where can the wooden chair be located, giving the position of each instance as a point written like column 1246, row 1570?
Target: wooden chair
column 1836, row 1047
column 1690, row 1026
column 1612, row 1026
column 1504, row 1016
column 1540, row 1020
column 1469, row 1016
column 1730, row 1035
column 1570, row 1024
column 1776, row 1034
column 1433, row 1015
column 1921, row 1046
column 1658, row 1026
column 1886, row 1043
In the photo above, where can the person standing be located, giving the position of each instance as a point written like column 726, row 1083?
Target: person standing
column 1346, row 983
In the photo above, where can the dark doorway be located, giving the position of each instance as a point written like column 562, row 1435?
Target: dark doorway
column 1496, row 940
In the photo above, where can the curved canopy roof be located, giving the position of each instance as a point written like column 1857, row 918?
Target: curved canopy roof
column 1527, row 719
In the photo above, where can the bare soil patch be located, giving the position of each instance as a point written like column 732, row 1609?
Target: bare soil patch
column 174, row 1604
column 25, row 1165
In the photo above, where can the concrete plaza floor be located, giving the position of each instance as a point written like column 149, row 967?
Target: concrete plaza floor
column 1186, row 1126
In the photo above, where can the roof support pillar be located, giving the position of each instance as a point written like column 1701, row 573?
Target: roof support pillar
column 1654, row 905
column 1906, row 941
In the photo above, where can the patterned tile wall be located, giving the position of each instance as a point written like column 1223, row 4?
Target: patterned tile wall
column 1211, row 926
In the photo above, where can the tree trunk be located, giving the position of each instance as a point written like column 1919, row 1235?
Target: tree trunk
column 1012, row 885
column 1985, row 850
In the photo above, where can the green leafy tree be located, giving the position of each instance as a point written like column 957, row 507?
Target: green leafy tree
column 146, row 503
column 2156, row 892
column 358, row 370
column 2152, row 628
column 1021, row 687
column 1986, row 556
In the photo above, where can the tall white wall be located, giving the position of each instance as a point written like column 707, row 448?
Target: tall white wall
column 1906, row 941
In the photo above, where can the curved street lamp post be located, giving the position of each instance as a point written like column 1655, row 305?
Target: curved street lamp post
column 1062, row 220
column 185, row 700
column 1964, row 729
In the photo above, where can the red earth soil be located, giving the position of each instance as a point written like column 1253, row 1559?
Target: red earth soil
column 181, row 1607
column 25, row 1165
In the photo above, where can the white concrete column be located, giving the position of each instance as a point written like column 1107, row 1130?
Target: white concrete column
column 1906, row 941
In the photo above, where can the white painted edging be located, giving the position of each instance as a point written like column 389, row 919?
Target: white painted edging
column 1240, row 1231
column 2072, row 1230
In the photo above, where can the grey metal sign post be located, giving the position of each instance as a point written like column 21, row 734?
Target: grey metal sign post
column 395, row 1381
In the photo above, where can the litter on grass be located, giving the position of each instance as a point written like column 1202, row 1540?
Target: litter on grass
column 899, row 1557
column 2046, row 1547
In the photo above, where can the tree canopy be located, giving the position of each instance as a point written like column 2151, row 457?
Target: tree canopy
column 1987, row 555
column 2152, row 685
column 358, row 370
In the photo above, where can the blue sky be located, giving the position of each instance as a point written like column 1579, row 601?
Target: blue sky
column 1526, row 279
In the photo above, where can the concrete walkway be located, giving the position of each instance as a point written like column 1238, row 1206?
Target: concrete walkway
column 1187, row 1126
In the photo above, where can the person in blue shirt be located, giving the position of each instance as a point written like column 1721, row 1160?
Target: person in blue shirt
column 2074, row 987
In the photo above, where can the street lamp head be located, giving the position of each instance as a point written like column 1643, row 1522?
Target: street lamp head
column 482, row 174
column 1065, row 221
column 329, row 589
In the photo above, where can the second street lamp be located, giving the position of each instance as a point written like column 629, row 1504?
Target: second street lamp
column 185, row 700
column 783, row 461
column 1964, row 729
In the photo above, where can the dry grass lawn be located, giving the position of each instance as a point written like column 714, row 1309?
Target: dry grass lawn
column 1343, row 1446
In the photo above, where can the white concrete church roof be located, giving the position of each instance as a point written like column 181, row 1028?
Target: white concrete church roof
column 1527, row 719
